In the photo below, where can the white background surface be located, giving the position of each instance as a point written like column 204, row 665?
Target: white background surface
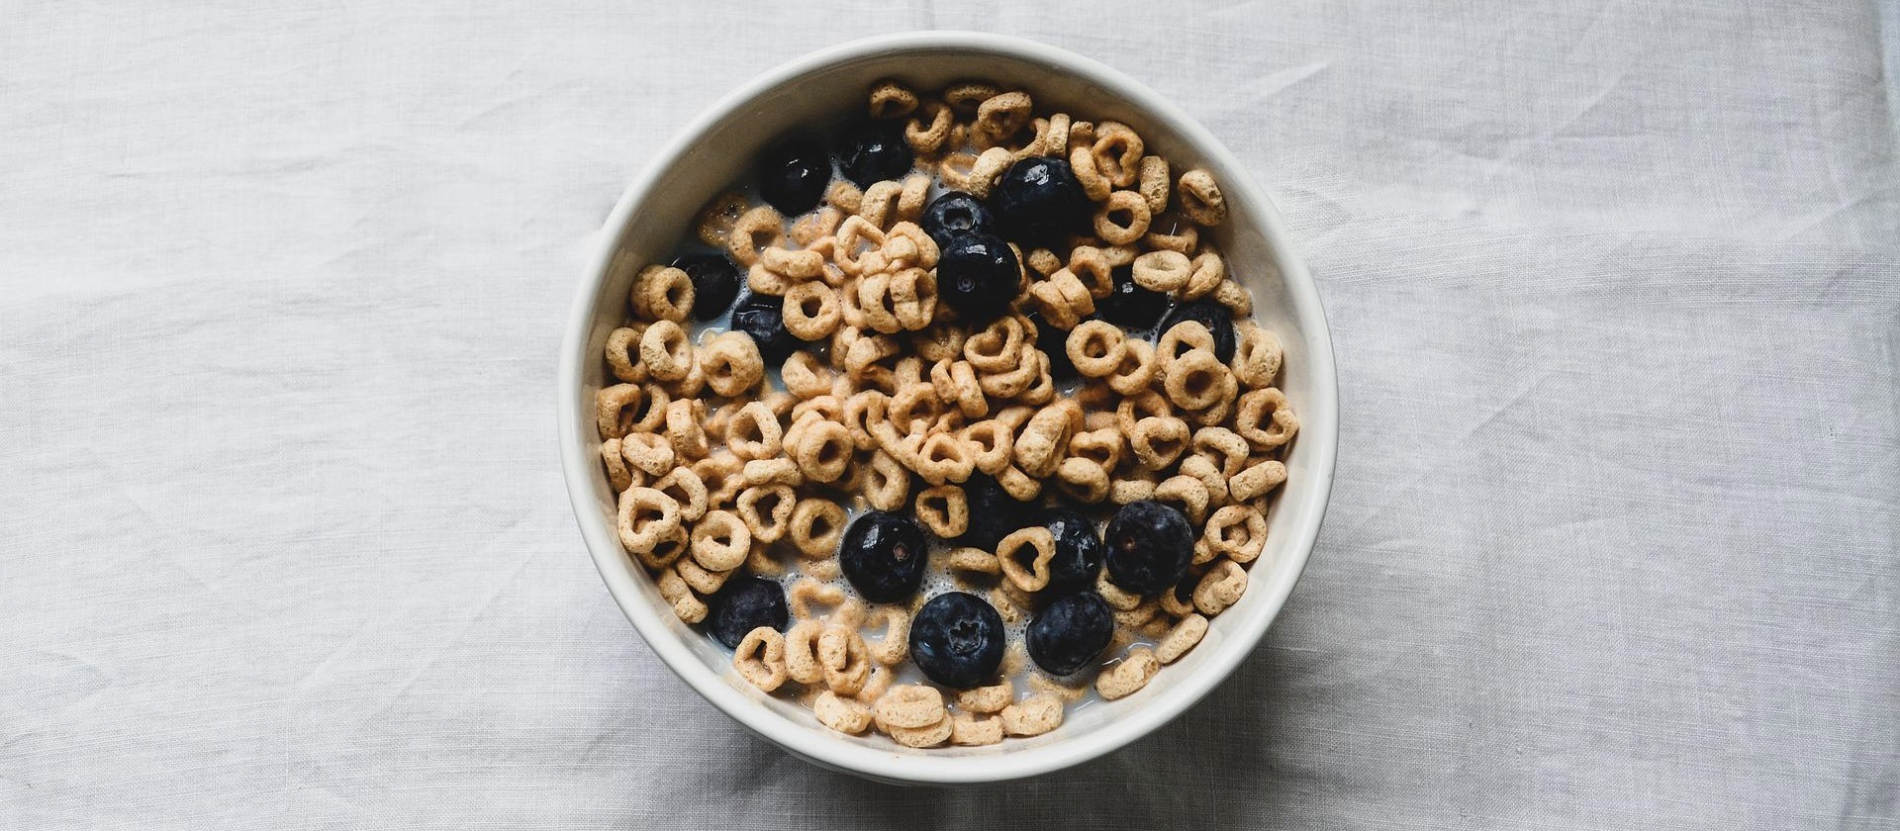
column 1615, row 289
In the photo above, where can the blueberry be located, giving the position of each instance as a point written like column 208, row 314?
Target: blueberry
column 1129, row 305
column 763, row 317
column 883, row 556
column 1070, row 633
column 1149, row 545
column 873, row 151
column 1038, row 202
column 793, row 176
column 1054, row 343
column 715, row 282
column 957, row 640
column 954, row 214
column 977, row 274
column 1078, row 550
column 1218, row 320
column 745, row 604
column 994, row 514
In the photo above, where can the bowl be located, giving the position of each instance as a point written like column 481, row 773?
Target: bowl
column 821, row 88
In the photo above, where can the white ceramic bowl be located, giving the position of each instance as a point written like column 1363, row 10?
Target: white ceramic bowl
column 824, row 87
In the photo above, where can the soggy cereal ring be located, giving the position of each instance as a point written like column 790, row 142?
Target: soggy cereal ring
column 1096, row 348
column 686, row 428
column 1082, row 165
column 1200, row 198
column 1265, row 419
column 1117, row 153
column 886, row 482
column 1157, row 441
column 760, row 658
column 1152, row 182
column 1163, row 271
column 666, row 351
column 758, row 228
column 623, row 354
column 645, row 522
column 1197, row 380
column 890, row 99
column 1024, row 557
column 662, row 293
column 1122, row 219
column 944, row 509
column 720, row 541
column 732, row 364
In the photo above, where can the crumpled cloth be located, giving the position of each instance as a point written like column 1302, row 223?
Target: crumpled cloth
column 1615, row 290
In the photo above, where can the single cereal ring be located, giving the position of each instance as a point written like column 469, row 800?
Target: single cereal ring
column 666, row 351
column 913, row 294
column 688, row 490
column 1019, row 485
column 646, row 522
column 929, row 128
column 823, row 451
column 805, row 376
column 966, row 96
column 1090, row 265
column 720, row 541
column 1187, row 493
column 1223, row 446
column 617, row 410
column 1082, row 479
column 1204, row 468
column 796, row 265
column 862, row 409
column 1001, row 116
column 1121, row 255
column 986, row 700
column 914, row 407
column 1163, row 271
column 817, row 525
column 766, row 511
column 960, row 386
column 966, row 731
column 894, row 647
column 1128, row 676
column 623, row 354
column 618, row 474
column 648, row 453
column 890, row 99
column 1042, row 261
column 686, row 428
column 944, row 509
column 939, row 342
column 1024, row 557
column 840, row 713
column 716, row 220
column 906, row 245
column 928, row 736
column 1103, row 446
column 815, row 226
column 662, row 293
column 1257, row 358
column 1119, row 600
column 1096, row 348
column 1207, row 271
column 997, row 347
column 1017, row 380
column 886, row 482
column 1135, row 618
column 1038, row 450
column 1237, row 532
column 1157, row 441
column 856, row 238
column 801, row 652
column 1256, row 481
column 1144, row 404
column 879, row 205
column 973, row 560
column 759, row 228
column 762, row 280
column 732, row 364
column 844, row 197
column 990, row 443
column 846, row 662
column 1117, row 152
column 1124, row 491
column 1197, row 380
column 909, row 705
column 754, row 433
column 1062, row 299
column 1235, row 298
column 1181, row 337
column 1138, row 368
column 807, row 591
column 1184, row 240
column 1220, row 588
column 985, row 170
column 760, row 658
column 1200, row 198
column 1152, row 182
column 1082, row 164
column 1122, row 218
column 1265, row 420
column 686, row 605
column 1033, row 716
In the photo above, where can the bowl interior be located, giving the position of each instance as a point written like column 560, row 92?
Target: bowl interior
column 819, row 92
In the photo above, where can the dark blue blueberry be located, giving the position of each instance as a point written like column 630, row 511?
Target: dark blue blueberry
column 957, row 640
column 873, row 151
column 793, row 175
column 1218, row 320
column 994, row 514
column 715, row 283
column 883, row 556
column 742, row 605
column 1149, row 545
column 763, row 317
column 978, row 275
column 1129, row 305
column 954, row 214
column 1054, row 343
column 1039, row 202
column 1078, row 550
column 1070, row 633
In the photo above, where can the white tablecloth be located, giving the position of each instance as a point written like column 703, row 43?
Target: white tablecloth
column 1615, row 289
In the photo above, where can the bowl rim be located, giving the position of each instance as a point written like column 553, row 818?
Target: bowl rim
column 578, row 458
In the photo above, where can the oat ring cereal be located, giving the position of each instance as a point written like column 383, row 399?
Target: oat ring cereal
column 927, row 408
